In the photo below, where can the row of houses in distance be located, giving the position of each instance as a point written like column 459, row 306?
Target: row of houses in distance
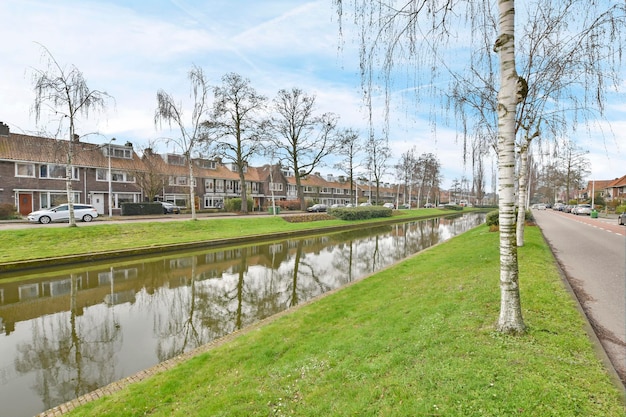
column 33, row 176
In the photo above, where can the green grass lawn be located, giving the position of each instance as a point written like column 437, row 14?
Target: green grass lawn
column 46, row 242
column 417, row 339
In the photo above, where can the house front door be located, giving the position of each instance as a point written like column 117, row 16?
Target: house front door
column 25, row 203
column 97, row 200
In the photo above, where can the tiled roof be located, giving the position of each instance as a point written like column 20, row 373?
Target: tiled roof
column 16, row 147
column 617, row 182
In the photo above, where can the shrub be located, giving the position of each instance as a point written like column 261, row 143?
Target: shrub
column 620, row 209
column 289, row 204
column 7, row 211
column 309, row 217
column 134, row 209
column 360, row 213
column 234, row 204
column 453, row 207
column 493, row 218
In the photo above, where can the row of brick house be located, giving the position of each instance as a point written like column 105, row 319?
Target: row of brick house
column 610, row 190
column 33, row 172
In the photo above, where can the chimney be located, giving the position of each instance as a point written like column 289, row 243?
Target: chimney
column 4, row 129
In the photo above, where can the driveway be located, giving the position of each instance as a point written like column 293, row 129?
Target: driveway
column 592, row 254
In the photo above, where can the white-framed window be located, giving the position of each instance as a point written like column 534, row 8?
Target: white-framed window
column 213, row 202
column 51, row 198
column 54, row 171
column 208, row 185
column 24, row 170
column 116, row 176
column 325, row 190
column 118, row 152
column 308, row 189
column 338, row 191
column 230, row 185
column 219, row 186
column 180, row 180
column 207, row 164
column 276, row 186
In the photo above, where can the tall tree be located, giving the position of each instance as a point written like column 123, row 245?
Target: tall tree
column 349, row 146
column 302, row 137
column 378, row 153
column 170, row 112
column 236, row 125
column 405, row 172
column 66, row 92
column 574, row 167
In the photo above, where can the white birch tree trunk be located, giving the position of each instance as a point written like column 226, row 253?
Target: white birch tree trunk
column 510, row 320
column 523, row 192
column 192, row 188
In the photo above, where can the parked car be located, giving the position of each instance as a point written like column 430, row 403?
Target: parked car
column 169, row 208
column 540, row 206
column 582, row 209
column 61, row 212
column 429, row 205
column 317, row 208
column 366, row 204
column 337, row 205
column 621, row 219
column 389, row 205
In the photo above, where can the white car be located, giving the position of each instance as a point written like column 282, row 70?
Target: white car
column 61, row 212
column 389, row 205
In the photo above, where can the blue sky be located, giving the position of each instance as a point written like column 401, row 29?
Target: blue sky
column 131, row 49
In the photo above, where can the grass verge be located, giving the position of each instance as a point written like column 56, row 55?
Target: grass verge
column 46, row 242
column 417, row 339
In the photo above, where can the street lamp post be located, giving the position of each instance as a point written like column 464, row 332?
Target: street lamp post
column 110, row 185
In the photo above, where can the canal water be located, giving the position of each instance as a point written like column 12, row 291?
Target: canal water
column 64, row 333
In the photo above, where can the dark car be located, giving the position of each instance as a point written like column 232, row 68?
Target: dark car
column 169, row 208
column 621, row 219
column 317, row 208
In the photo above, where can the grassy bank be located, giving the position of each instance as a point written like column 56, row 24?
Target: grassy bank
column 415, row 340
column 45, row 242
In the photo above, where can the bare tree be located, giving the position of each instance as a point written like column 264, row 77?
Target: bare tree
column 430, row 174
column 405, row 171
column 235, row 125
column 378, row 153
column 151, row 173
column 65, row 92
column 349, row 143
column 574, row 166
column 303, row 138
column 171, row 112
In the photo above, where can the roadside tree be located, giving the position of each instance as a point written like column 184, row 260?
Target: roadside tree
column 170, row 112
column 65, row 93
column 235, row 126
column 302, row 137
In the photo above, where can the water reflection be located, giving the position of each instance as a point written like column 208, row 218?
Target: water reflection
column 66, row 333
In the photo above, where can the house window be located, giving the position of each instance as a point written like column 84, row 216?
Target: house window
column 276, row 186
column 116, row 176
column 308, row 189
column 118, row 152
column 204, row 163
column 219, row 186
column 325, row 190
column 179, row 181
column 24, row 170
column 53, row 171
column 208, row 185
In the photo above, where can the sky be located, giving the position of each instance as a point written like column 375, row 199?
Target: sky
column 133, row 48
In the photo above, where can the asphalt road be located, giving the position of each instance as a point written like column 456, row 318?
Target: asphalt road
column 592, row 253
